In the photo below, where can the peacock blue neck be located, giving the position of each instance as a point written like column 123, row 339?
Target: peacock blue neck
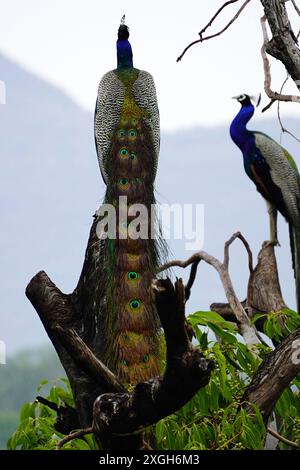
column 124, row 54
column 238, row 129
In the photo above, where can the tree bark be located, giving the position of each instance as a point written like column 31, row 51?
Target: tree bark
column 263, row 292
column 283, row 45
column 73, row 324
column 274, row 375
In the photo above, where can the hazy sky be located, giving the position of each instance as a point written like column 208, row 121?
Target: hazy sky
column 71, row 43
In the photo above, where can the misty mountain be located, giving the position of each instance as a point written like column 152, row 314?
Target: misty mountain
column 51, row 186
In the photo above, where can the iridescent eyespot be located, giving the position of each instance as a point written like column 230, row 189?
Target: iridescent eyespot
column 132, row 134
column 123, row 153
column 132, row 275
column 133, row 156
column 135, row 303
column 123, row 181
column 122, row 133
column 125, row 362
column 146, row 358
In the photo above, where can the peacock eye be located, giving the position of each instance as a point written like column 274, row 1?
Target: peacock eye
column 146, row 358
column 125, row 362
column 133, row 156
column 122, row 133
column 135, row 303
column 132, row 134
column 123, row 181
column 123, row 152
column 132, row 275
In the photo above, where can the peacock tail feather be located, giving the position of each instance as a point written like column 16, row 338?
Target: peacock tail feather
column 127, row 142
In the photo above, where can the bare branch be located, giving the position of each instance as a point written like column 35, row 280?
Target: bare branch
column 191, row 280
column 273, row 95
column 248, row 332
column 296, row 7
column 283, row 129
column 72, row 436
column 272, row 101
column 283, row 439
column 196, row 257
column 87, row 361
column 216, row 15
column 246, row 245
column 219, row 32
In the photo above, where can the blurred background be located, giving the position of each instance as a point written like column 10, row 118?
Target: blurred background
column 52, row 56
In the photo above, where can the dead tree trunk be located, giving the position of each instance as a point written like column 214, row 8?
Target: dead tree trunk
column 263, row 291
column 283, row 45
column 73, row 324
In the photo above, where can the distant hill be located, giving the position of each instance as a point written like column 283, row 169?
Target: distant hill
column 50, row 186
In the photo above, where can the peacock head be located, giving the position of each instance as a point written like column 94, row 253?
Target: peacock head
column 247, row 100
column 124, row 51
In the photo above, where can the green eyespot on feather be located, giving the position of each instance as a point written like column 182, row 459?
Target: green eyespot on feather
column 125, row 362
column 123, row 182
column 132, row 134
column 123, row 153
column 135, row 304
column 146, row 358
column 122, row 134
column 133, row 156
column 132, row 275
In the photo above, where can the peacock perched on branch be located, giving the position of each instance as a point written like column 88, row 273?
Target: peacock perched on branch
column 275, row 174
column 127, row 138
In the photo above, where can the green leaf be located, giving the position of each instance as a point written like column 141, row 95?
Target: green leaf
column 81, row 444
column 256, row 317
column 214, row 396
column 27, row 411
column 203, row 343
column 203, row 318
column 225, row 336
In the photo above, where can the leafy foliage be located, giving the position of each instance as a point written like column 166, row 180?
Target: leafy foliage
column 279, row 324
column 214, row 419
column 36, row 430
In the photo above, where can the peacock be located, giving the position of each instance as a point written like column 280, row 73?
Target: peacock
column 275, row 175
column 127, row 138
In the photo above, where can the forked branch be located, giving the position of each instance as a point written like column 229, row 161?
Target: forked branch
column 206, row 38
column 248, row 331
column 273, row 95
